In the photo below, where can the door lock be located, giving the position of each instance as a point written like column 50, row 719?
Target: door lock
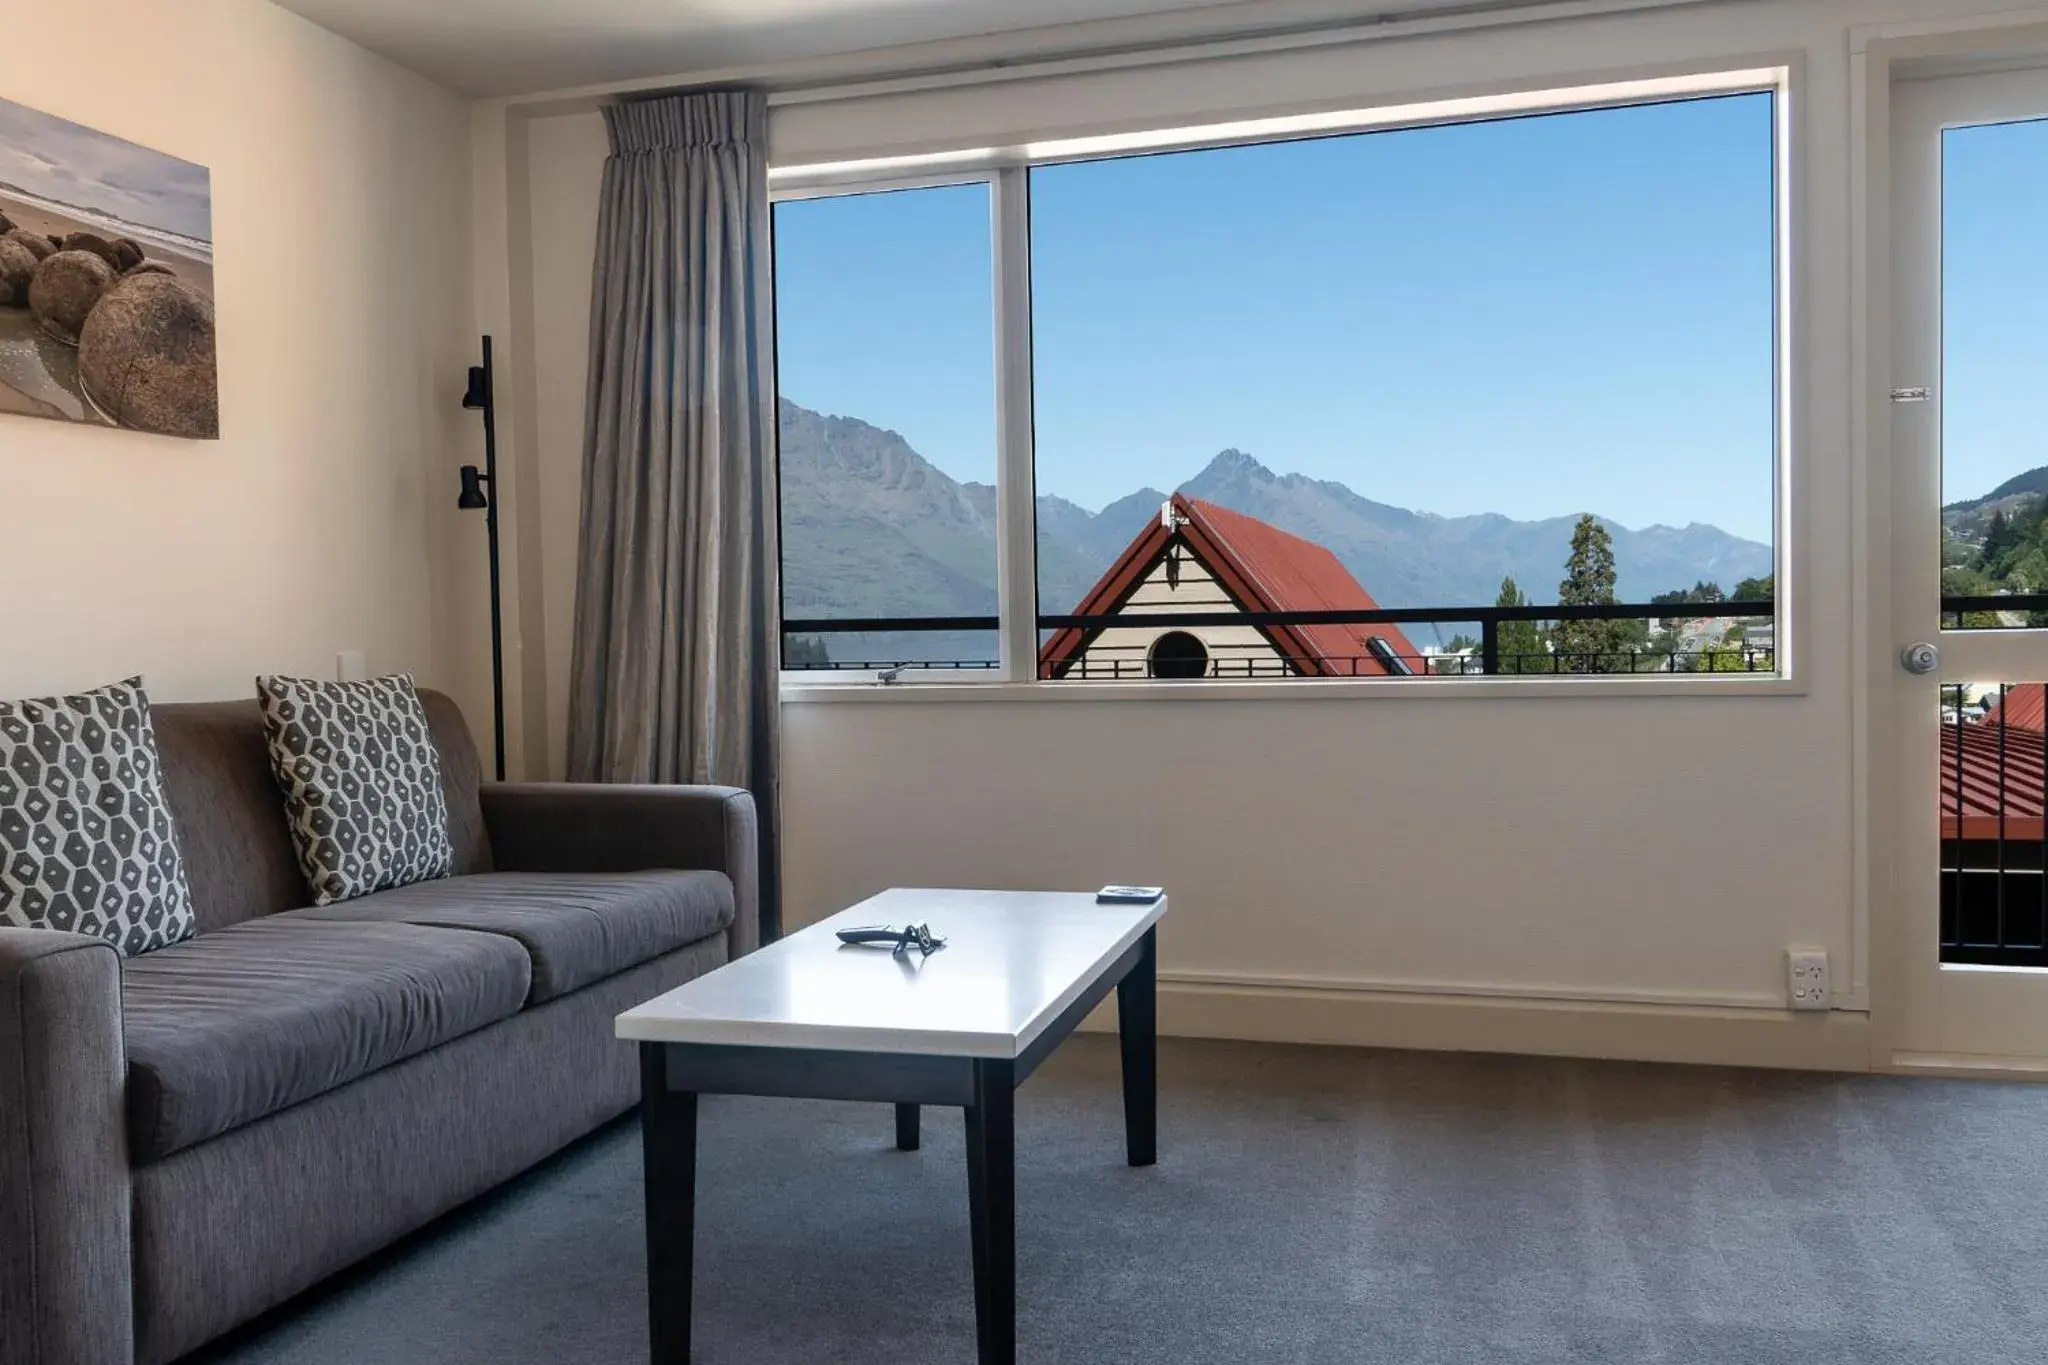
column 1920, row 658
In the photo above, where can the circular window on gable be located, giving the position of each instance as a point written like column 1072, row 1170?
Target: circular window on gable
column 1178, row 654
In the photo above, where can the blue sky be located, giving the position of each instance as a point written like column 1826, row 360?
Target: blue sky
column 1995, row 312
column 1534, row 317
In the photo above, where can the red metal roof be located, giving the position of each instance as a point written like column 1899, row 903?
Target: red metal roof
column 2023, row 707
column 1973, row 756
column 1264, row 569
column 1299, row 575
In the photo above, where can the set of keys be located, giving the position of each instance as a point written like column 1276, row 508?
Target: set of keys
column 918, row 936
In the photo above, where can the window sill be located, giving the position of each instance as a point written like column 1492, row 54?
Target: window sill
column 796, row 693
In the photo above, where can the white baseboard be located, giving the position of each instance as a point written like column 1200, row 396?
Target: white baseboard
column 1714, row 1035
column 1969, row 1066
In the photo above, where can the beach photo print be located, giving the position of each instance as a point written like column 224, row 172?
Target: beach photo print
column 106, row 280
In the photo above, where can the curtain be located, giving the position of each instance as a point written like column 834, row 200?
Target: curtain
column 674, row 652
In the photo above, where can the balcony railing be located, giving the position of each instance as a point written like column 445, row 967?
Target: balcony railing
column 1487, row 660
column 1971, row 613
column 1719, row 659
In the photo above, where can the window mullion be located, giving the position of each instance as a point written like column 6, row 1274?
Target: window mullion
column 1016, row 489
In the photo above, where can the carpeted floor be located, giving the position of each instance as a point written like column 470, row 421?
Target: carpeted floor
column 1311, row 1205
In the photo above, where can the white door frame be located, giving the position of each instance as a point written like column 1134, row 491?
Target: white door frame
column 1892, row 899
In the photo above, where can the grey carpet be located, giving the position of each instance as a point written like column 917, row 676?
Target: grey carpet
column 1311, row 1205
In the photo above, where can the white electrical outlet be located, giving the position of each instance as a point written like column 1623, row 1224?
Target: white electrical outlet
column 350, row 666
column 1806, row 979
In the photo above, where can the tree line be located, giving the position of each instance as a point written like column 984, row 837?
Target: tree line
column 1618, row 645
column 2011, row 558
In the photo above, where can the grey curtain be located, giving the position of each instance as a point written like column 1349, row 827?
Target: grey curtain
column 673, row 660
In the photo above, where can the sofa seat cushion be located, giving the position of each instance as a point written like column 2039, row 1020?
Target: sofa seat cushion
column 240, row 1023
column 579, row 928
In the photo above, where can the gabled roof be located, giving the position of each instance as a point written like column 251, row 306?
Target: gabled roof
column 1263, row 568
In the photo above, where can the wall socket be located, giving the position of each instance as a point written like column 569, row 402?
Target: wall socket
column 1806, row 979
column 350, row 666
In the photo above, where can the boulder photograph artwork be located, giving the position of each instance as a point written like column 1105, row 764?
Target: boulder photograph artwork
column 106, row 280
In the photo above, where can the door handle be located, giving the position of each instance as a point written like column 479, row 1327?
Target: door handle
column 1920, row 658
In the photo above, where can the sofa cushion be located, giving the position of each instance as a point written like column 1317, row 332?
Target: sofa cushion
column 361, row 781
column 579, row 927
column 86, row 840
column 230, row 1026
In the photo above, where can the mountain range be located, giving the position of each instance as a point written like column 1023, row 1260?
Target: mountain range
column 872, row 528
column 1969, row 520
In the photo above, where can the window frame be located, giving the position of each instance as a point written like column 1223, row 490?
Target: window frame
column 1006, row 171
column 924, row 676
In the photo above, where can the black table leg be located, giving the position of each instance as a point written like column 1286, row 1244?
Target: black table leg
column 906, row 1127
column 992, row 1209
column 1137, row 1025
column 668, row 1138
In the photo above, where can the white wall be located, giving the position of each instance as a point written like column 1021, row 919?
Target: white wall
column 1329, row 856
column 322, row 520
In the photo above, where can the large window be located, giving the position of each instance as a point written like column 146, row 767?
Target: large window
column 1491, row 397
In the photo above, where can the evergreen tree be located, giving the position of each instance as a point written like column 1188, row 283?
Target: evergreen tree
column 1522, row 646
column 1756, row 589
column 1592, row 646
column 1998, row 536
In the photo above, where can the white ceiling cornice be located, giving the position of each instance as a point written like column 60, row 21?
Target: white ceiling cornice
column 496, row 48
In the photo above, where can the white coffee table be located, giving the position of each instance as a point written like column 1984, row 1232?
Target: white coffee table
column 809, row 1017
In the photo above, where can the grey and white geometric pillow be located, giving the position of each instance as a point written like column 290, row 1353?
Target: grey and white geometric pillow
column 87, row 844
column 362, row 783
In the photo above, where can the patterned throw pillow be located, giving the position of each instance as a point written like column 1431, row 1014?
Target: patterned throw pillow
column 362, row 783
column 86, row 839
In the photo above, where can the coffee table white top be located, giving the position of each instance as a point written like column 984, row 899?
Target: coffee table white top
column 1013, row 961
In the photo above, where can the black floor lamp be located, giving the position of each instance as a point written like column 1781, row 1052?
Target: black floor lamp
column 475, row 483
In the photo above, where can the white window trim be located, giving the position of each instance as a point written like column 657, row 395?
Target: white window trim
column 961, row 164
column 859, row 679
column 807, row 688
column 1005, row 170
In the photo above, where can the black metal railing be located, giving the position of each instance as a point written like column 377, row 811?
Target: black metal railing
column 1994, row 788
column 1485, row 661
column 1957, row 610
column 1719, row 659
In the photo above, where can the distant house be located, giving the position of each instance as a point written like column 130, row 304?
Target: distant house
column 1196, row 557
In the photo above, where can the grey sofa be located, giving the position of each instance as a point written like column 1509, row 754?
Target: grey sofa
column 190, row 1137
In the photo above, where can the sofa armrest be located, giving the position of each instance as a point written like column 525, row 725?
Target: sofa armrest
column 605, row 827
column 65, row 1256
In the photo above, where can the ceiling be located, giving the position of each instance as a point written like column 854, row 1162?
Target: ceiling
column 513, row 47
